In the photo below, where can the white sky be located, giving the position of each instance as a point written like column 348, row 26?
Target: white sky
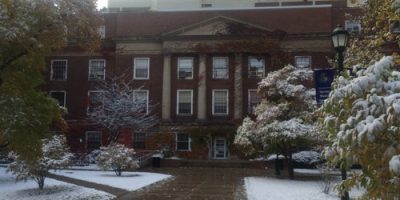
column 101, row 4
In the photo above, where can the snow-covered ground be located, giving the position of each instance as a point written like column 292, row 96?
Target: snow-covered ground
column 128, row 181
column 266, row 188
column 315, row 171
column 53, row 190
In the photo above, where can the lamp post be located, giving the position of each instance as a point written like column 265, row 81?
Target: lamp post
column 339, row 40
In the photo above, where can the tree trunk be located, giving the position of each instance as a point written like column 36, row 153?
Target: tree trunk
column 40, row 181
column 290, row 167
column 277, row 166
column 114, row 135
column 118, row 172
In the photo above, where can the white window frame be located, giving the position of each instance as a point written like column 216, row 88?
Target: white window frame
column 134, row 68
column 297, row 57
column 51, row 69
column 248, row 67
column 65, row 96
column 227, row 67
column 90, row 71
column 189, row 145
column 147, row 98
column 227, row 102
column 353, row 23
column 177, row 68
column 177, row 102
column 248, row 99
column 91, row 91
column 134, row 137
column 102, row 31
column 86, row 137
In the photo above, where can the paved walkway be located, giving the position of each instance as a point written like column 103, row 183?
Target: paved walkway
column 197, row 184
column 194, row 183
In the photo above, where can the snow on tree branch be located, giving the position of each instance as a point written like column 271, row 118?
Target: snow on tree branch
column 285, row 117
column 55, row 155
column 362, row 116
column 116, row 105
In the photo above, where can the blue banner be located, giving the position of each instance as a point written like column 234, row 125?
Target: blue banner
column 323, row 80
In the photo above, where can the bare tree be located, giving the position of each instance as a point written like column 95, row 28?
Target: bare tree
column 115, row 104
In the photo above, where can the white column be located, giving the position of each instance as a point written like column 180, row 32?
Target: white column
column 166, row 88
column 238, row 98
column 202, row 89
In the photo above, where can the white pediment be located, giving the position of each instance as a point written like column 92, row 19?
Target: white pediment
column 213, row 28
column 220, row 25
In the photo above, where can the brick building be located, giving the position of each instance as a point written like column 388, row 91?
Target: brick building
column 199, row 67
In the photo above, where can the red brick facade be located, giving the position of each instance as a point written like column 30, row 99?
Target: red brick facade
column 161, row 35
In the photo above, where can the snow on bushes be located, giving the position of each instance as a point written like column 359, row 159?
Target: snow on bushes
column 394, row 165
column 55, row 155
column 116, row 157
column 284, row 120
column 362, row 116
column 310, row 158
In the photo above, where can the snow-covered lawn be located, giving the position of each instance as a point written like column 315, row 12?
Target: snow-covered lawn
column 53, row 190
column 128, row 181
column 266, row 188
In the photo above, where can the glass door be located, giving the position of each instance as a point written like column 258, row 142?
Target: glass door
column 219, row 148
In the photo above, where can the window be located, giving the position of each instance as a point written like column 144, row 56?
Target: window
column 353, row 26
column 185, row 68
column 59, row 96
column 95, row 100
column 220, row 67
column 58, row 70
column 183, row 142
column 184, row 102
column 302, row 61
column 141, row 97
column 253, row 101
column 139, row 139
column 394, row 26
column 97, row 69
column 93, row 140
column 102, row 31
column 141, row 68
column 220, row 102
column 256, row 67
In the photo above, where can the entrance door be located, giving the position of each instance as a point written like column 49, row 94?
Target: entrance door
column 219, row 148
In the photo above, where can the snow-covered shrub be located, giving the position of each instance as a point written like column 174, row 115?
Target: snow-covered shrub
column 91, row 157
column 116, row 157
column 55, row 155
column 307, row 158
column 362, row 116
column 394, row 165
column 284, row 120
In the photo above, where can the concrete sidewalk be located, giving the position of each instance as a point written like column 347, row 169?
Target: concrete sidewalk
column 112, row 190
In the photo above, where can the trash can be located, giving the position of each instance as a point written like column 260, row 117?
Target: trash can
column 156, row 160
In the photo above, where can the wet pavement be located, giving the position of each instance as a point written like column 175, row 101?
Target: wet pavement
column 197, row 184
column 194, row 183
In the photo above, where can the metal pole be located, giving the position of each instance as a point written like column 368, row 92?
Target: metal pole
column 340, row 61
column 344, row 177
column 343, row 168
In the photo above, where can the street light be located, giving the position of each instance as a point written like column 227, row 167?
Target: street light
column 339, row 40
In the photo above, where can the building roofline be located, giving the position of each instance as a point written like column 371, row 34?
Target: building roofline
column 248, row 8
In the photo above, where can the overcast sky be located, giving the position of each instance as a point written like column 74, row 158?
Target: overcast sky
column 101, row 4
